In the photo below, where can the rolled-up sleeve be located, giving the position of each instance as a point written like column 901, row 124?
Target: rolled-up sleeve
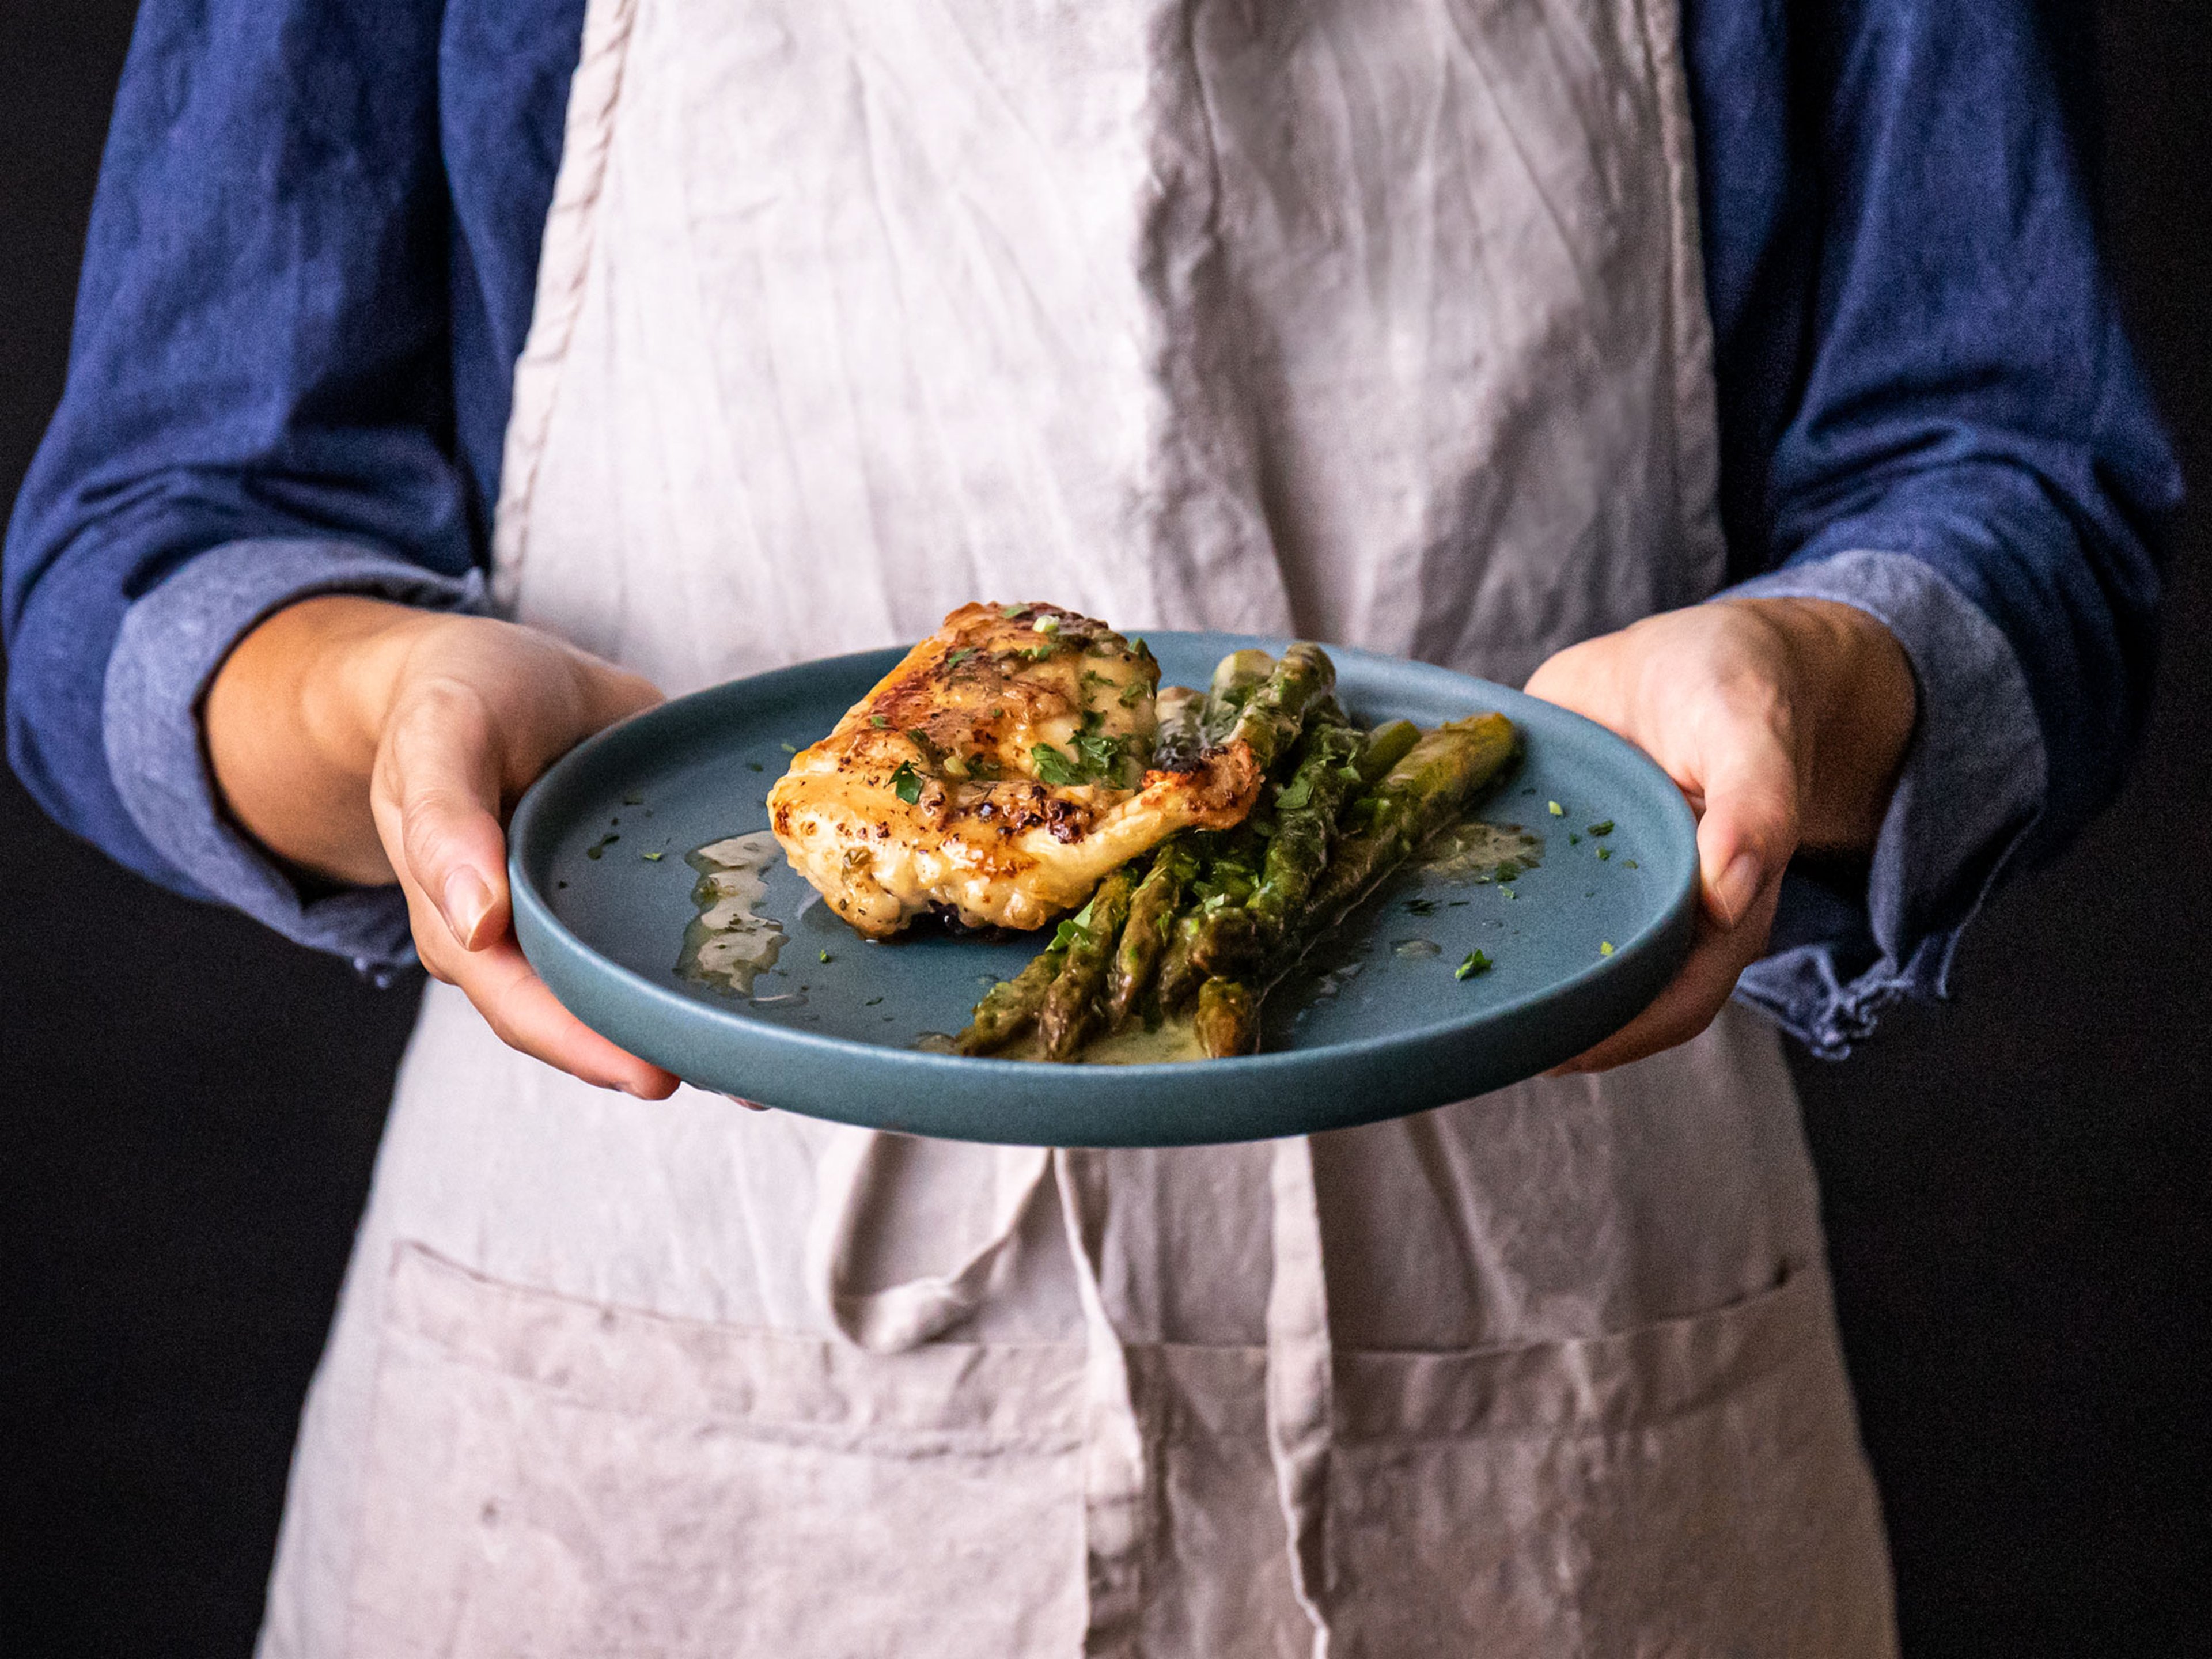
column 1930, row 411
column 258, row 407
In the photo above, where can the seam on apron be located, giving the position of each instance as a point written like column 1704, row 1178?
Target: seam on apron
column 1696, row 447
column 563, row 263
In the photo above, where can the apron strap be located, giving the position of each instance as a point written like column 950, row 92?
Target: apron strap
column 1301, row 1380
column 905, row 1315
column 1113, row 1457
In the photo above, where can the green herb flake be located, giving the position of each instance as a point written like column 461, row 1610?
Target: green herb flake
column 1509, row 892
column 879, row 720
column 1603, row 827
column 1573, row 840
column 1508, row 870
column 1047, row 624
column 1299, row 793
column 1556, row 810
column 755, row 766
column 1604, row 947
column 633, row 801
column 598, row 847
column 826, row 957
column 1055, row 768
column 907, row 782
column 954, row 659
column 788, row 749
column 1632, row 864
column 653, row 858
column 872, row 1002
column 1476, row 962
column 1604, row 852
column 1010, row 612
column 1133, row 694
column 1421, row 907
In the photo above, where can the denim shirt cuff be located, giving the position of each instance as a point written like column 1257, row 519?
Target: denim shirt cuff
column 172, row 641
column 1969, row 790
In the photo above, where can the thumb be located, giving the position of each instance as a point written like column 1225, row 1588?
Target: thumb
column 442, row 778
column 1749, row 829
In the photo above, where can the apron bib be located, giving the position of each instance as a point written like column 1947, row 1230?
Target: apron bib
column 1375, row 322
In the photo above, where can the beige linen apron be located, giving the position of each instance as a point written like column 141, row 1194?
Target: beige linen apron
column 1373, row 321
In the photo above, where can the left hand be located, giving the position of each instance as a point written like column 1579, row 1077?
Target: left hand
column 1784, row 722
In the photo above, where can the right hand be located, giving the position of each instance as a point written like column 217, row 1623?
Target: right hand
column 369, row 742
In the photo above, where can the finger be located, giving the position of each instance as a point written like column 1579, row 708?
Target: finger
column 1694, row 998
column 1748, row 777
column 438, row 808
column 515, row 1003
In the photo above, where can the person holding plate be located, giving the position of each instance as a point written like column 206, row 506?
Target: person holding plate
column 452, row 380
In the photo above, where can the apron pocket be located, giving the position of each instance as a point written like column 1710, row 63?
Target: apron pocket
column 548, row 1476
column 1691, row 1488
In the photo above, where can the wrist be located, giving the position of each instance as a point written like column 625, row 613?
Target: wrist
column 1857, row 702
column 292, row 721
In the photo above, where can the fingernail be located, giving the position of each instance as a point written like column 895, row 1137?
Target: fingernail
column 1738, row 885
column 750, row 1105
column 467, row 900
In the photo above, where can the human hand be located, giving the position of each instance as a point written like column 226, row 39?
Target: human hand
column 1783, row 722
column 371, row 742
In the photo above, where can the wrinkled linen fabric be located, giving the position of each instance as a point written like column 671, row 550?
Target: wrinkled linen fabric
column 1187, row 317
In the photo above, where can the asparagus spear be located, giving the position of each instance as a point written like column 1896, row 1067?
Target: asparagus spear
column 1071, row 1003
column 1008, row 1007
column 1385, row 747
column 1214, row 916
column 1235, row 676
column 1152, row 919
column 1306, row 813
column 1179, row 743
column 1274, row 715
column 1419, row 796
column 1228, row 1019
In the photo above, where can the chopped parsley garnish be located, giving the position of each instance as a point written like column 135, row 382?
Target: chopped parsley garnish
column 754, row 766
column 872, row 1002
column 1102, row 755
column 633, row 801
column 1133, row 694
column 1632, row 864
column 1508, row 870
column 1556, row 810
column 1055, row 768
column 879, row 720
column 1047, row 625
column 1603, row 827
column 1421, row 907
column 651, row 858
column 1573, row 840
column 599, row 847
column 1476, row 962
column 1604, row 947
column 788, row 749
column 906, row 782
column 826, row 957
column 954, row 659
column 1295, row 794
column 1010, row 612
column 1605, row 853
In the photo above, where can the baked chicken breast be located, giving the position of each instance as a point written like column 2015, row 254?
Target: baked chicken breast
column 997, row 775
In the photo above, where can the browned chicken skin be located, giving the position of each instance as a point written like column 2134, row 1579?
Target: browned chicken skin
column 998, row 773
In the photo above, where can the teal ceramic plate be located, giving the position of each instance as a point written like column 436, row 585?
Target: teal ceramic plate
column 1376, row 1025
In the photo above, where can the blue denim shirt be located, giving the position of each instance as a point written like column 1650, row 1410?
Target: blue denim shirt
column 310, row 270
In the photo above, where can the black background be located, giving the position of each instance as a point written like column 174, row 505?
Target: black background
column 2019, row 1186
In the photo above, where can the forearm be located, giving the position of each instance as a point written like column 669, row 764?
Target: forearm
column 292, row 722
